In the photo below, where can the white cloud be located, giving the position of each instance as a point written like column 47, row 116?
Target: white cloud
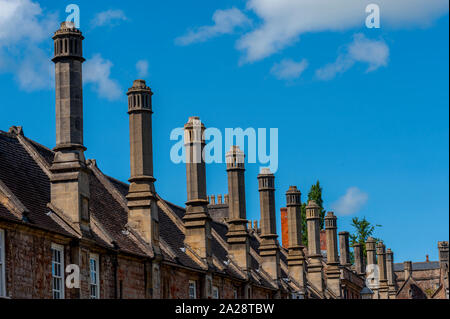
column 23, row 19
column 373, row 52
column 350, row 203
column 36, row 71
column 97, row 71
column 283, row 21
column 225, row 22
column 109, row 17
column 25, row 50
column 142, row 68
column 288, row 69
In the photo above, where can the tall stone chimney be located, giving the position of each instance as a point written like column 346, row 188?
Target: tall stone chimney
column 360, row 267
column 383, row 289
column 333, row 271
column 390, row 274
column 70, row 176
column 269, row 249
column 296, row 256
column 237, row 235
column 196, row 220
column 143, row 210
column 372, row 272
column 344, row 249
column 407, row 269
column 315, row 268
column 443, row 253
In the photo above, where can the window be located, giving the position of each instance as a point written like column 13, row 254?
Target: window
column 215, row 292
column 58, row 271
column 95, row 276
column 2, row 264
column 235, row 294
column 192, row 289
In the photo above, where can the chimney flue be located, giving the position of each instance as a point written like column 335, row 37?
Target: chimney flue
column 360, row 267
column 333, row 271
column 315, row 268
column 143, row 210
column 383, row 289
column 237, row 235
column 70, row 177
column 344, row 248
column 390, row 274
column 296, row 257
column 407, row 268
column 269, row 249
column 197, row 220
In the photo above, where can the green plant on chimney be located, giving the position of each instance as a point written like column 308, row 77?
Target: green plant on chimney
column 315, row 194
column 363, row 230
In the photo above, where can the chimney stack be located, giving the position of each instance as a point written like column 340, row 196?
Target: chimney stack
column 383, row 289
column 360, row 267
column 237, row 235
column 315, row 268
column 371, row 251
column 333, row 271
column 407, row 268
column 269, row 249
column 390, row 274
column 296, row 257
column 443, row 254
column 143, row 210
column 196, row 220
column 371, row 272
column 70, row 176
column 344, row 247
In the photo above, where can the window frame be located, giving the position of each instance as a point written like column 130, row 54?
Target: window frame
column 2, row 264
column 96, row 259
column 215, row 290
column 194, row 284
column 60, row 249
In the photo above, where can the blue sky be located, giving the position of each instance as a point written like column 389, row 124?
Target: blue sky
column 365, row 111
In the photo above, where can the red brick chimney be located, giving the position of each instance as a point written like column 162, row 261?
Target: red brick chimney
column 284, row 227
column 323, row 240
column 428, row 259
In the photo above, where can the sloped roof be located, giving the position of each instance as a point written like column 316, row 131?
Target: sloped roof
column 418, row 265
column 27, row 180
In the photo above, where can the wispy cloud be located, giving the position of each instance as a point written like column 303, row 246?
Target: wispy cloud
column 97, row 71
column 142, row 68
column 110, row 17
column 24, row 49
column 284, row 21
column 288, row 69
column 225, row 22
column 351, row 202
column 375, row 53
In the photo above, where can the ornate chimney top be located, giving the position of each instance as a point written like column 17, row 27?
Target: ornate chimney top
column 235, row 158
column 68, row 43
column 293, row 196
column 139, row 97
